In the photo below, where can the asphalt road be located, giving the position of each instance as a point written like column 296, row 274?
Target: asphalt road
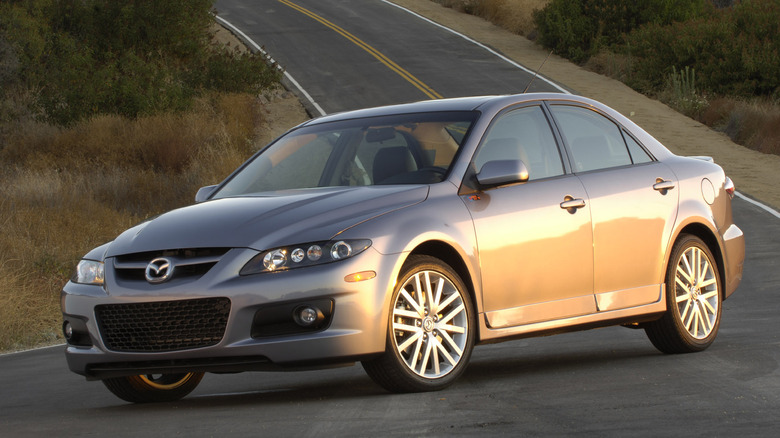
column 350, row 54
column 606, row 382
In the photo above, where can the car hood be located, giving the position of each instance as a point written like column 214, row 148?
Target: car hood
column 263, row 222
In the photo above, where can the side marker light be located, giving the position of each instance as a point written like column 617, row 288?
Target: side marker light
column 360, row 276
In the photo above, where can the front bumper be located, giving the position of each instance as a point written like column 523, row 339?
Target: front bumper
column 356, row 330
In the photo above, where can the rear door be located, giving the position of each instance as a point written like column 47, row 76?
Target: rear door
column 633, row 205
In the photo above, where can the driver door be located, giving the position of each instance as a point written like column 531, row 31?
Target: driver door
column 536, row 256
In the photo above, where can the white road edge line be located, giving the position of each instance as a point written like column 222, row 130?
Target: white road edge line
column 273, row 62
column 766, row 208
column 521, row 67
column 11, row 353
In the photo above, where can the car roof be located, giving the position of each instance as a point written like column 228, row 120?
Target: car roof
column 441, row 105
column 491, row 105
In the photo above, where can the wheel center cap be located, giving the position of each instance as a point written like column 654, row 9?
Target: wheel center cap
column 428, row 324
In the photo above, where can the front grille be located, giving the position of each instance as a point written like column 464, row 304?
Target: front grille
column 189, row 263
column 163, row 326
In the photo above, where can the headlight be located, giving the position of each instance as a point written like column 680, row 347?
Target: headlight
column 308, row 254
column 89, row 272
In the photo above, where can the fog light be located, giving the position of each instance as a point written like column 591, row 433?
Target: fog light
column 307, row 316
column 67, row 330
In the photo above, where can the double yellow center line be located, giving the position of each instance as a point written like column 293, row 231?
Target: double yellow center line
column 375, row 53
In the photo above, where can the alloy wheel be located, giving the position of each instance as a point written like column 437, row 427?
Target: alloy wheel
column 696, row 293
column 430, row 324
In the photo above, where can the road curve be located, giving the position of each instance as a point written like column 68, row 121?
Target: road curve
column 351, row 54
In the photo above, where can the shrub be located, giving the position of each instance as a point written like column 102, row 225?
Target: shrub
column 681, row 93
column 734, row 51
column 578, row 29
column 88, row 57
column 564, row 27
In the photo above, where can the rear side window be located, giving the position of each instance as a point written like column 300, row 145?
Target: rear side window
column 638, row 154
column 594, row 141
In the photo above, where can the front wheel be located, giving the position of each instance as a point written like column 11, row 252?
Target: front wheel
column 430, row 332
column 149, row 388
column 693, row 300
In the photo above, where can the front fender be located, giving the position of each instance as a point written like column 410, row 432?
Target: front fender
column 441, row 218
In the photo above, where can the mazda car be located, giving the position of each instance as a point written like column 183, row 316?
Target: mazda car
column 401, row 237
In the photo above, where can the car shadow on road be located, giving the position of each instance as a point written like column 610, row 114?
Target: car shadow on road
column 490, row 365
column 261, row 392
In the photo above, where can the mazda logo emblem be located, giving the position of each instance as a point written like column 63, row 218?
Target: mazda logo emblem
column 159, row 271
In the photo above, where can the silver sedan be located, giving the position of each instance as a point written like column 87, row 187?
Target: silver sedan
column 403, row 236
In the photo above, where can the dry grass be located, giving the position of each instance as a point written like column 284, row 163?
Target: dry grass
column 755, row 123
column 28, row 317
column 614, row 65
column 65, row 191
column 513, row 15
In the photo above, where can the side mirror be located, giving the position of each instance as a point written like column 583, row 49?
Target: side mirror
column 204, row 193
column 502, row 172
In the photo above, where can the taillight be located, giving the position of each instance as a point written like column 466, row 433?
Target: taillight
column 729, row 186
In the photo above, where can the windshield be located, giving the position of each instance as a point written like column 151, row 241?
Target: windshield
column 401, row 149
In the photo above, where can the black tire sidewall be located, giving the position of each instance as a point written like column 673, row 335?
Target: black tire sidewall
column 135, row 390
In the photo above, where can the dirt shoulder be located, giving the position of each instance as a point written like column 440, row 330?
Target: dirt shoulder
column 755, row 174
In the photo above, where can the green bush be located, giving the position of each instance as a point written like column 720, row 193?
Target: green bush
column 578, row 29
column 564, row 28
column 87, row 57
column 735, row 51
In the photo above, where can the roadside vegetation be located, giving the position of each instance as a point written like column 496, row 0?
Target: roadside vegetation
column 717, row 61
column 110, row 112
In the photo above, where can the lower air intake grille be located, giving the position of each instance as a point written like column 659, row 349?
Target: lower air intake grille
column 163, row 326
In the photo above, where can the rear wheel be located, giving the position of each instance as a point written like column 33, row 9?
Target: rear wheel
column 149, row 388
column 430, row 332
column 693, row 300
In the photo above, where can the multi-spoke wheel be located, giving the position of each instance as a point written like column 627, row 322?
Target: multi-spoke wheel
column 431, row 333
column 153, row 387
column 693, row 300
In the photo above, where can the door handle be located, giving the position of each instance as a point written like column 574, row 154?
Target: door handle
column 662, row 185
column 572, row 204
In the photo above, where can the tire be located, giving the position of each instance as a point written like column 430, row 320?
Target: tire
column 430, row 332
column 693, row 300
column 151, row 388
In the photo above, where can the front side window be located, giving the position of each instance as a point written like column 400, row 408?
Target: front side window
column 402, row 149
column 522, row 134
